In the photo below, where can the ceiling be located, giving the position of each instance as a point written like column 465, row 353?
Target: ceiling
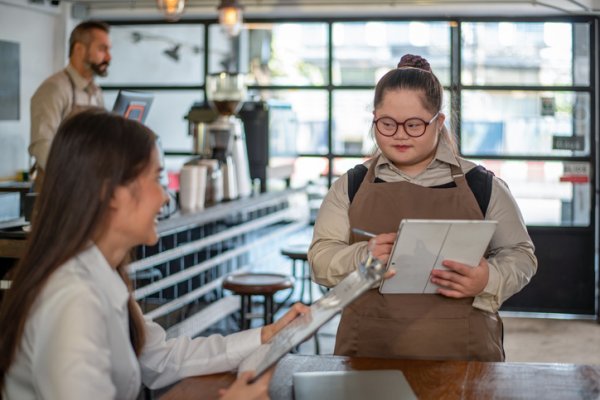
column 340, row 8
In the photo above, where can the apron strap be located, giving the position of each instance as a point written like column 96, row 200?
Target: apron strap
column 73, row 98
column 458, row 176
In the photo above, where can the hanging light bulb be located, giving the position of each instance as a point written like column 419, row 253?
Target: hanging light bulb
column 230, row 16
column 172, row 9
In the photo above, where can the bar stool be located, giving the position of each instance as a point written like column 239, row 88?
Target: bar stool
column 298, row 253
column 257, row 284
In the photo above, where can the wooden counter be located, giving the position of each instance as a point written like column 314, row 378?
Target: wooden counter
column 12, row 248
column 429, row 379
column 12, row 244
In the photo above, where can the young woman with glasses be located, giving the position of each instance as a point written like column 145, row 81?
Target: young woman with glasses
column 70, row 326
column 417, row 173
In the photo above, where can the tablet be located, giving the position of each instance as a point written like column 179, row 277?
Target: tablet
column 352, row 385
column 321, row 311
column 422, row 245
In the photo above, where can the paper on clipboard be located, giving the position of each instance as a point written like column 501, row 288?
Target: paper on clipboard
column 422, row 245
column 321, row 311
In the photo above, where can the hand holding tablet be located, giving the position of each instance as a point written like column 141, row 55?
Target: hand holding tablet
column 422, row 245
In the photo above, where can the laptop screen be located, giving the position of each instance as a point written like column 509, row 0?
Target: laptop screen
column 352, row 385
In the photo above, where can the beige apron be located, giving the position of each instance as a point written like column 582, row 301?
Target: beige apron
column 415, row 326
column 37, row 172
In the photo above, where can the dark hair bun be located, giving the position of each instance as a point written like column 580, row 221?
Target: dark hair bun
column 414, row 61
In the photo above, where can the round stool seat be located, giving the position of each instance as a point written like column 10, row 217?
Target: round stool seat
column 257, row 283
column 296, row 252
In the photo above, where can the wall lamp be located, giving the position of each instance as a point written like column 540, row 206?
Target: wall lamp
column 230, row 16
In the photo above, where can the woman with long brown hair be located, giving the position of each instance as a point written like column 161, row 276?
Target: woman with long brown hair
column 70, row 327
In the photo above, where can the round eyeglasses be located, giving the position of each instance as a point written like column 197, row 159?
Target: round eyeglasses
column 414, row 127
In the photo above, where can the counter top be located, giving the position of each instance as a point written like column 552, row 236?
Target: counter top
column 12, row 236
column 22, row 187
column 428, row 379
column 13, row 224
column 182, row 221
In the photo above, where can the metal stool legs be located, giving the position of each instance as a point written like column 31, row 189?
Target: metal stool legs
column 269, row 309
column 246, row 313
column 306, row 282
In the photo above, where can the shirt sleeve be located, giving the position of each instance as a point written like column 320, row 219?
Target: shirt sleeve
column 71, row 357
column 511, row 259
column 330, row 255
column 48, row 106
column 166, row 361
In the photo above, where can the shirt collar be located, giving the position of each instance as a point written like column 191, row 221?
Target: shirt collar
column 443, row 153
column 105, row 278
column 80, row 82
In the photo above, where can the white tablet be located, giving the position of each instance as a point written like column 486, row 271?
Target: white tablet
column 422, row 245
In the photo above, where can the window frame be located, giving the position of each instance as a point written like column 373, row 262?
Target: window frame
column 455, row 88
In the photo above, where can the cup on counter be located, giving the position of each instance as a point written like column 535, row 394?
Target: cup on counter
column 192, row 187
column 214, row 181
column 201, row 186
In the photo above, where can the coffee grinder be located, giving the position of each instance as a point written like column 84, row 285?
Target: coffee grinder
column 226, row 93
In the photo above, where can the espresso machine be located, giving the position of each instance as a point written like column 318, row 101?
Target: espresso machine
column 226, row 93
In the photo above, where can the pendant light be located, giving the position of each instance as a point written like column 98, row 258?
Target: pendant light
column 172, row 9
column 230, row 16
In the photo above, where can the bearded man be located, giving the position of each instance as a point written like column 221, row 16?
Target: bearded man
column 70, row 90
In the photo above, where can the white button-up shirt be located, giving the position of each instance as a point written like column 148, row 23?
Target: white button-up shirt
column 76, row 341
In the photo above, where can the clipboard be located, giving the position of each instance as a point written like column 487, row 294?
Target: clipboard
column 267, row 354
column 422, row 245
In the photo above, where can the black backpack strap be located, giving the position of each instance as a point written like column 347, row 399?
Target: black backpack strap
column 355, row 177
column 480, row 181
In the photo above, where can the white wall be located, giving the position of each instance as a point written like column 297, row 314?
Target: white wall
column 40, row 32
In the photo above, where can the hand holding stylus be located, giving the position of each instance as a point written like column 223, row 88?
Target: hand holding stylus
column 379, row 245
column 363, row 232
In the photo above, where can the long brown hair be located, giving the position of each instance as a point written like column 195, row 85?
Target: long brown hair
column 92, row 154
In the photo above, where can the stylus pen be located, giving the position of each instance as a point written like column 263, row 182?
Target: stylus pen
column 364, row 233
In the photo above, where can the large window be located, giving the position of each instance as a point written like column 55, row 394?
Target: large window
column 526, row 102
column 364, row 51
column 532, row 123
column 156, row 55
column 518, row 94
column 525, row 53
